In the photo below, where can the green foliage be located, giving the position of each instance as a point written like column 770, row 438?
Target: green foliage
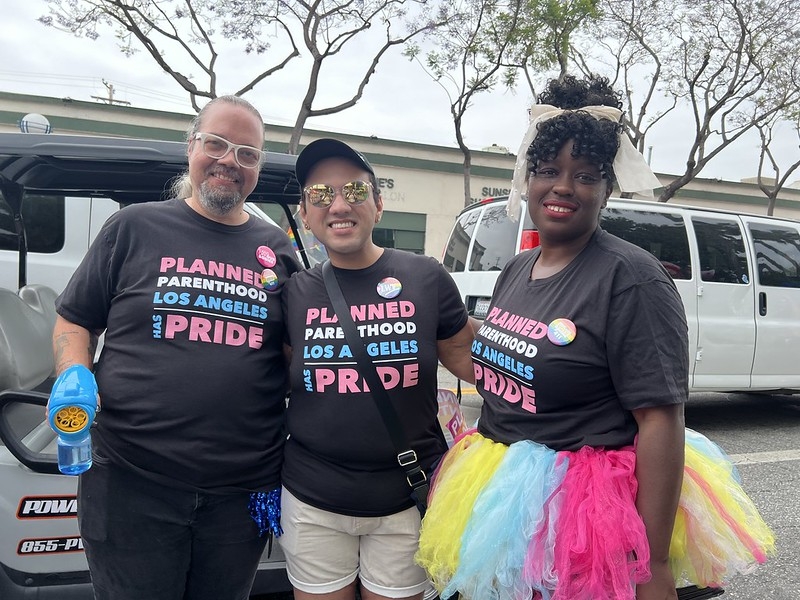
column 542, row 38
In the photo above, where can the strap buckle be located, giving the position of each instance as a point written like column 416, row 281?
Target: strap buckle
column 409, row 457
column 416, row 477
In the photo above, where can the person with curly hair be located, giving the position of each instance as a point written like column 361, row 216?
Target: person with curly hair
column 581, row 481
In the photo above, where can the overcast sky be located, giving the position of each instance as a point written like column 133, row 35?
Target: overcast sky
column 401, row 102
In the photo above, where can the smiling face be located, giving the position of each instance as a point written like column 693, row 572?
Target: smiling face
column 565, row 196
column 345, row 229
column 220, row 186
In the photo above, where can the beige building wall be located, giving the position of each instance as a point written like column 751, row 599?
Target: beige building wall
column 415, row 179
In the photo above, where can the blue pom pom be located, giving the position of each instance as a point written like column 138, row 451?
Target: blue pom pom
column 265, row 508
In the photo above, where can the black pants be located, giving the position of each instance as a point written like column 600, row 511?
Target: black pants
column 148, row 541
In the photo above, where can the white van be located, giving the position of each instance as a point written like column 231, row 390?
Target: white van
column 738, row 276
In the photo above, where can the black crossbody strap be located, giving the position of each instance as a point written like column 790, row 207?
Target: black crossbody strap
column 406, row 457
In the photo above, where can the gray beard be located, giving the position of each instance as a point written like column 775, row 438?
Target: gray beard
column 218, row 202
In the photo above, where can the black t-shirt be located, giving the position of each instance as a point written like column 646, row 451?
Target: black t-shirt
column 563, row 360
column 339, row 456
column 191, row 376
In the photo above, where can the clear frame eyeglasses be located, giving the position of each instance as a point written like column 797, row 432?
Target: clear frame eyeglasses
column 321, row 195
column 216, row 147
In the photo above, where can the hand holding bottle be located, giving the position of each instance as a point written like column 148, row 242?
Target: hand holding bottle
column 71, row 410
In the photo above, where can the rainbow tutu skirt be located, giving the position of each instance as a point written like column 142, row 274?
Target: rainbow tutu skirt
column 524, row 521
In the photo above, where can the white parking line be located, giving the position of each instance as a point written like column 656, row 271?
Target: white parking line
column 754, row 458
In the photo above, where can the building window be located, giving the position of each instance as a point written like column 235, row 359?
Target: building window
column 404, row 231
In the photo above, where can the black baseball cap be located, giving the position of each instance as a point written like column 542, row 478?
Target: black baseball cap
column 327, row 148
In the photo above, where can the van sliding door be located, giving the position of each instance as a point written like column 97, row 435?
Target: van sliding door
column 777, row 281
column 725, row 305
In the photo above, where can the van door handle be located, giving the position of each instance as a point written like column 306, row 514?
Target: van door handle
column 762, row 304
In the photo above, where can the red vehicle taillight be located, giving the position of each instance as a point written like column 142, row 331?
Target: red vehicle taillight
column 530, row 239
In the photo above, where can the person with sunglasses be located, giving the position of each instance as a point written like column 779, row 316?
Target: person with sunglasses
column 192, row 375
column 347, row 512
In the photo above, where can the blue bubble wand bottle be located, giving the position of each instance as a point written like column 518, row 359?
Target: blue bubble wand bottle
column 71, row 410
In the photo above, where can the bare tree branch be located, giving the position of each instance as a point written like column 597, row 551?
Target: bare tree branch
column 771, row 187
column 732, row 74
column 177, row 32
column 468, row 53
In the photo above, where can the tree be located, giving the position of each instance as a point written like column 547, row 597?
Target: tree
column 730, row 67
column 468, row 53
column 499, row 36
column 543, row 39
column 773, row 186
column 328, row 27
column 630, row 36
column 177, row 34
column 725, row 62
column 187, row 32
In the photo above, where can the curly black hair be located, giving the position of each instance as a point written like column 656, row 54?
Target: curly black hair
column 595, row 139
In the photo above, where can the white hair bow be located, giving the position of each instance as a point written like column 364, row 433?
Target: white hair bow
column 632, row 171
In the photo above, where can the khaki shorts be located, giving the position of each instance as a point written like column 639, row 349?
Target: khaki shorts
column 326, row 551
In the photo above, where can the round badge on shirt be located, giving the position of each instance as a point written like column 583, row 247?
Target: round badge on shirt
column 269, row 280
column 561, row 332
column 266, row 256
column 389, row 287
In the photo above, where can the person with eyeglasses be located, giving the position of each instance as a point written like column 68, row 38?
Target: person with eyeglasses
column 347, row 514
column 189, row 442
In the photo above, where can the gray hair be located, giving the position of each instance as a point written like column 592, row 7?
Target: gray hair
column 182, row 185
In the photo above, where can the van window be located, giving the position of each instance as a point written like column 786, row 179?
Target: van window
column 663, row 235
column 721, row 247
column 44, row 224
column 777, row 255
column 455, row 255
column 495, row 241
